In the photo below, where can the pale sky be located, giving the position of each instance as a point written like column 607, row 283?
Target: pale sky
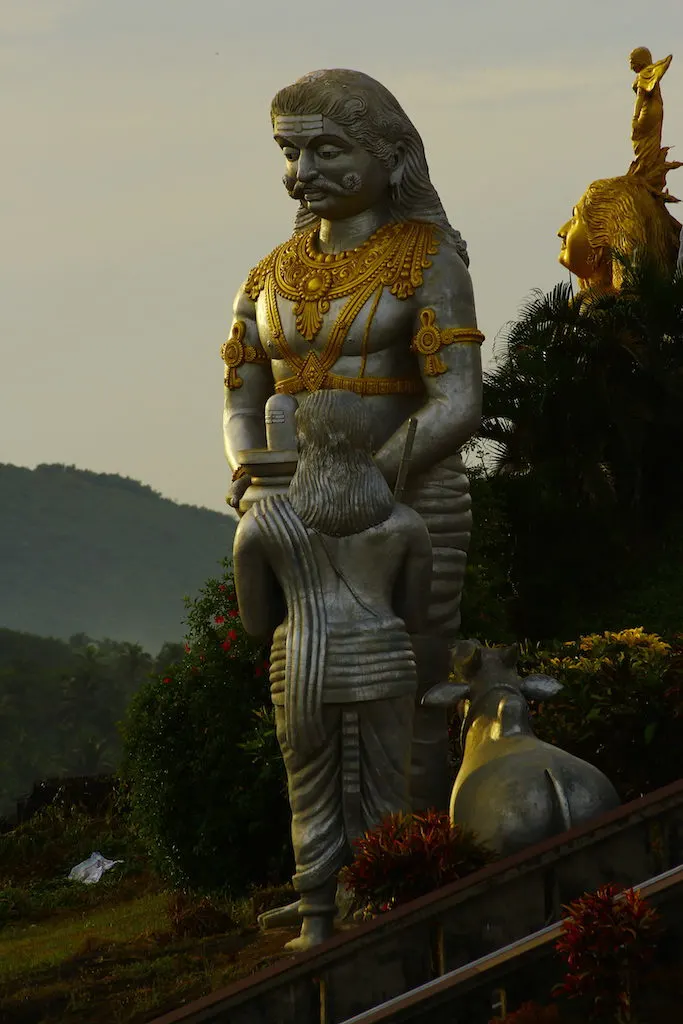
column 139, row 183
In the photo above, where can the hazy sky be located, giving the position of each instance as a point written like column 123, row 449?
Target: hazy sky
column 139, row 183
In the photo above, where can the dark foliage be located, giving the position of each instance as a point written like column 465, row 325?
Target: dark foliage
column 583, row 417
column 204, row 774
column 100, row 554
column 59, row 708
column 609, row 940
column 408, row 856
column 621, row 707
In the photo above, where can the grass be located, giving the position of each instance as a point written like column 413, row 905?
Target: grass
column 122, row 951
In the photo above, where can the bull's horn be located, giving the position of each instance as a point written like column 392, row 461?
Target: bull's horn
column 445, row 695
column 467, row 656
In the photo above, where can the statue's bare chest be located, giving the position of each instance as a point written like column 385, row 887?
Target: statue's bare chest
column 347, row 304
column 381, row 323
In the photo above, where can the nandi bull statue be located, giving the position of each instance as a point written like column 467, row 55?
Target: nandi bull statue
column 513, row 789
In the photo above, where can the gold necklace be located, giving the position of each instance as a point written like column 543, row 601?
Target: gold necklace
column 394, row 257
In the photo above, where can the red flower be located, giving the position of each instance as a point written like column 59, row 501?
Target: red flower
column 232, row 634
column 232, row 596
column 226, row 645
column 219, row 619
column 167, row 679
column 233, row 613
column 258, row 671
column 187, row 648
column 221, row 586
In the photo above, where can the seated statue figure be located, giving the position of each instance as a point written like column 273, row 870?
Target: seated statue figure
column 370, row 295
column 339, row 574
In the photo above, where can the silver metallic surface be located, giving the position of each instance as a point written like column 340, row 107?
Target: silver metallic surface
column 343, row 599
column 513, row 789
column 352, row 193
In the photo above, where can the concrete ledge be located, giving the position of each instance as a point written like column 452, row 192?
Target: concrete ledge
column 367, row 965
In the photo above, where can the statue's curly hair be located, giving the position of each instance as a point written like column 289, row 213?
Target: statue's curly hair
column 624, row 215
column 337, row 488
column 374, row 119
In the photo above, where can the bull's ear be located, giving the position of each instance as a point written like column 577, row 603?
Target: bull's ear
column 510, row 656
column 540, row 687
column 467, row 657
column 445, row 695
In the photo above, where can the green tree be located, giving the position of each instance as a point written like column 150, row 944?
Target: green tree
column 583, row 417
column 206, row 785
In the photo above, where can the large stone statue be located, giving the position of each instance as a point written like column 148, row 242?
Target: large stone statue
column 342, row 574
column 513, row 789
column 370, row 295
column 627, row 214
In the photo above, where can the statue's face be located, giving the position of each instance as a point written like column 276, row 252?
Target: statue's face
column 324, row 167
column 576, row 254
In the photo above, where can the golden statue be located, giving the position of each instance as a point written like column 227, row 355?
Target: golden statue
column 627, row 214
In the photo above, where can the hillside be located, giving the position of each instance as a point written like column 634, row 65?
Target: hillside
column 101, row 554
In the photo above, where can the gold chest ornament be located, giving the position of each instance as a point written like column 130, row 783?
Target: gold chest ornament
column 394, row 257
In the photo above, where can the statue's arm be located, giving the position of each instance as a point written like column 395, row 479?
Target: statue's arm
column 452, row 377
column 259, row 598
column 413, row 585
column 248, row 382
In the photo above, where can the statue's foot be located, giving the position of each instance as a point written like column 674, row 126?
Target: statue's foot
column 280, row 917
column 316, row 928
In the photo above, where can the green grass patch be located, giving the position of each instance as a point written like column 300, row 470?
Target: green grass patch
column 121, row 951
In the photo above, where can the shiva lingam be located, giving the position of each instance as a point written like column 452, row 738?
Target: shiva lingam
column 271, row 468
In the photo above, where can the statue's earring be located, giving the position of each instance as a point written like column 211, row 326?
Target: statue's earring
column 395, row 191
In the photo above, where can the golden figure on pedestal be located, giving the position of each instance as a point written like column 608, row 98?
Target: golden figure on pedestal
column 627, row 214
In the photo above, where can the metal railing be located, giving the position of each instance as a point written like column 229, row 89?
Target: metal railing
column 469, row 975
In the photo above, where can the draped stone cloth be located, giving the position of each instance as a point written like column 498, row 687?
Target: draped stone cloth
column 344, row 696
column 290, row 552
column 441, row 496
column 357, row 777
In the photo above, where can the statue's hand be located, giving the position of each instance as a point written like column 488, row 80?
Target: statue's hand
column 237, row 489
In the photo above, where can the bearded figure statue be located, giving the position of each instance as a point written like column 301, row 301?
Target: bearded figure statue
column 370, row 295
column 339, row 574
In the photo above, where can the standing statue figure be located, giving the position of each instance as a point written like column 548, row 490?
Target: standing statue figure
column 627, row 214
column 342, row 574
column 650, row 161
column 370, row 295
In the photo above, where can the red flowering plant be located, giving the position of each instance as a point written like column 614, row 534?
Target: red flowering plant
column 206, row 785
column 608, row 940
column 407, row 856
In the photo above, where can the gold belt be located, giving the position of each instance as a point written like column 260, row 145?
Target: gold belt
column 359, row 385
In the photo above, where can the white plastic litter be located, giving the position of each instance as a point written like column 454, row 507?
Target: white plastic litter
column 92, row 869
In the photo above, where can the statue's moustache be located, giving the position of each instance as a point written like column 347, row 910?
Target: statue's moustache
column 349, row 185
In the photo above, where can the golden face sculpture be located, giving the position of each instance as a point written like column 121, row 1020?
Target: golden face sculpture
column 577, row 254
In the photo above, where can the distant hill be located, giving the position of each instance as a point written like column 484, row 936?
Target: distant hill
column 101, row 554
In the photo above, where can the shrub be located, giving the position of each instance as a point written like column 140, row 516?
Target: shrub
column 197, row 918
column 408, row 856
column 621, row 707
column 608, row 940
column 204, row 777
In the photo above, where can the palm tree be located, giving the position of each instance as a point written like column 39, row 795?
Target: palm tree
column 583, row 418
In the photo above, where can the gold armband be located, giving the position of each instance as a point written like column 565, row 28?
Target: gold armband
column 235, row 353
column 430, row 339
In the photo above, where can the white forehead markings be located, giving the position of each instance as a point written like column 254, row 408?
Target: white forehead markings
column 299, row 125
